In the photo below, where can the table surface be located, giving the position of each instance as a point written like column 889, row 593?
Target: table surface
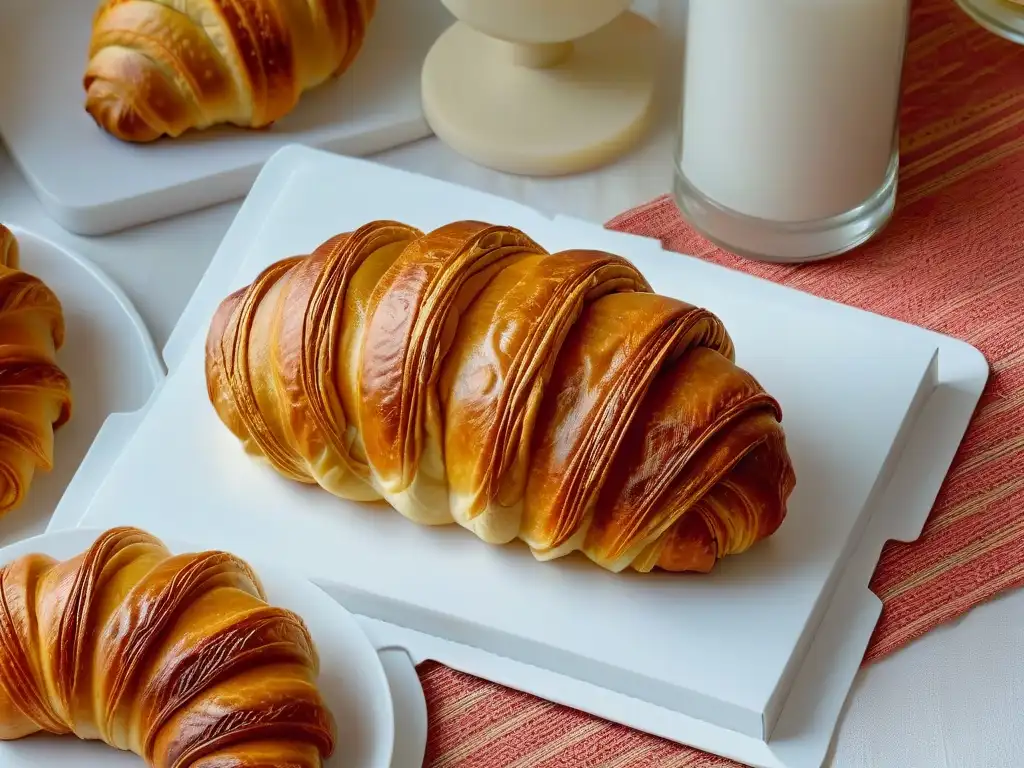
column 953, row 698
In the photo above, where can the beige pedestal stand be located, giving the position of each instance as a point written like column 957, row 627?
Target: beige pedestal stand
column 541, row 87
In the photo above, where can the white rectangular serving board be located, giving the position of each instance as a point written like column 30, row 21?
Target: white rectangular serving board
column 92, row 184
column 730, row 663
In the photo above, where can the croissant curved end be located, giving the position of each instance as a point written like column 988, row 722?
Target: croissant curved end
column 115, row 113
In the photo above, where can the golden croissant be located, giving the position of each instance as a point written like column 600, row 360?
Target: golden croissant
column 161, row 67
column 469, row 376
column 35, row 395
column 178, row 659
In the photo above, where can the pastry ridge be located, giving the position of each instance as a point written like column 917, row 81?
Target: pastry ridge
column 177, row 658
column 35, row 393
column 163, row 67
column 553, row 398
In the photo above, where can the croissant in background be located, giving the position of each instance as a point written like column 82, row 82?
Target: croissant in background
column 178, row 659
column 35, row 395
column 157, row 67
column 468, row 376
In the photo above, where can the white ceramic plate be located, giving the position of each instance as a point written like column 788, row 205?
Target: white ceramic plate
column 109, row 356
column 352, row 679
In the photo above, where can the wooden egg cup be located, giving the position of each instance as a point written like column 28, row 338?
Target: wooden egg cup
column 541, row 87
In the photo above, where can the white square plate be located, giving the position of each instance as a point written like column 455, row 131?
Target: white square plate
column 725, row 662
column 91, row 183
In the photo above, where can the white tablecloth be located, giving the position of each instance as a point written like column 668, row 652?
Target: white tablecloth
column 953, row 699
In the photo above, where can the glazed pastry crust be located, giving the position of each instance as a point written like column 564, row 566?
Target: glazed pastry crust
column 177, row 658
column 35, row 394
column 162, row 67
column 468, row 376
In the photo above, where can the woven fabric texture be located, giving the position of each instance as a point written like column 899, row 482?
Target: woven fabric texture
column 953, row 261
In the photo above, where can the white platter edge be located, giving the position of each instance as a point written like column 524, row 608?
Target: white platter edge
column 811, row 712
column 394, row 670
column 108, row 218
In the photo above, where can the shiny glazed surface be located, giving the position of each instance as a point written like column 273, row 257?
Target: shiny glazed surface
column 35, row 394
column 466, row 375
column 177, row 658
column 161, row 67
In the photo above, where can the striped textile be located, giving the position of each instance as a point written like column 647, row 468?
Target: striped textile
column 953, row 261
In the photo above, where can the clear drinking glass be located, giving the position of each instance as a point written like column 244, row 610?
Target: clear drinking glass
column 788, row 143
column 1004, row 17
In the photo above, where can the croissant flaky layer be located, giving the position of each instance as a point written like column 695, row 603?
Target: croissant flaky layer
column 468, row 376
column 35, row 395
column 177, row 658
column 162, row 67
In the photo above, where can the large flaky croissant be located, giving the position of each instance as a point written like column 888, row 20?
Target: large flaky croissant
column 161, row 67
column 35, row 395
column 468, row 376
column 178, row 659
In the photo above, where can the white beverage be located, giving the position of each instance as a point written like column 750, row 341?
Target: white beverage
column 791, row 106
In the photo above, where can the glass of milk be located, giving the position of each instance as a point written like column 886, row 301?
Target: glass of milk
column 1004, row 17
column 789, row 130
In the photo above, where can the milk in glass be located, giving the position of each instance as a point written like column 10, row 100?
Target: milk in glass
column 790, row 107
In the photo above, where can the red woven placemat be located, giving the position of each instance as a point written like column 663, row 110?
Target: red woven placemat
column 952, row 261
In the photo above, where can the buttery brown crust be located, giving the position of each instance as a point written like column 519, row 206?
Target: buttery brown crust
column 35, row 394
column 9, row 254
column 484, row 426
column 178, row 659
column 481, row 380
column 413, row 311
column 160, row 68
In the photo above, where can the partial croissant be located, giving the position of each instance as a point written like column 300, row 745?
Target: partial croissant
column 468, row 376
column 178, row 659
column 35, row 395
column 161, row 67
